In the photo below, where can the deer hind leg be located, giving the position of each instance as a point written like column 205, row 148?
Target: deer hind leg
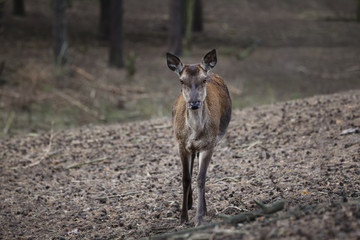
column 204, row 160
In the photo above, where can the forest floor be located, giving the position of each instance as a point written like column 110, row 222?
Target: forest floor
column 62, row 181
column 123, row 181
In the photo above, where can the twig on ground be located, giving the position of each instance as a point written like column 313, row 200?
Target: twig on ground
column 180, row 233
column 251, row 145
column 46, row 152
column 161, row 126
column 86, row 162
column 232, row 179
column 259, row 203
column 119, row 195
column 234, row 207
column 248, row 216
column 241, row 155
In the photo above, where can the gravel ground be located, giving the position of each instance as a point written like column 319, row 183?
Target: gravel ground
column 123, row 181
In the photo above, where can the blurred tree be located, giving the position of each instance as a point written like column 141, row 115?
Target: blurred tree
column 116, row 33
column 60, row 31
column 198, row 18
column 185, row 17
column 18, row 7
column 196, row 10
column 2, row 7
column 175, row 28
column 358, row 11
column 190, row 4
column 104, row 26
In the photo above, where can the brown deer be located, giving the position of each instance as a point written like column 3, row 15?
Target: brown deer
column 201, row 114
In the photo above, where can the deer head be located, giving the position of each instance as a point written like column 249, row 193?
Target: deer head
column 193, row 78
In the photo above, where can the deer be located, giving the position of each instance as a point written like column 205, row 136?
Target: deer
column 200, row 116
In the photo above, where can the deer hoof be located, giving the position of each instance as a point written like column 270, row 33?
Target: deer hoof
column 199, row 221
column 184, row 219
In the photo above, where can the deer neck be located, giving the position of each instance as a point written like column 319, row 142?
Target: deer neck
column 196, row 120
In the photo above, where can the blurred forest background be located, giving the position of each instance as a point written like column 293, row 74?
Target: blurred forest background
column 66, row 63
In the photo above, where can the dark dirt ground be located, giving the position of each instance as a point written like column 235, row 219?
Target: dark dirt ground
column 131, row 187
column 127, row 183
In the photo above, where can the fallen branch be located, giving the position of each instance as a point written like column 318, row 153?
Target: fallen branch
column 86, row 162
column 183, row 232
column 233, row 207
column 248, row 216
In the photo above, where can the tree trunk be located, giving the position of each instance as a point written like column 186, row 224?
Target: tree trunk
column 198, row 18
column 189, row 23
column 175, row 28
column 116, row 33
column 2, row 9
column 18, row 7
column 358, row 11
column 60, row 31
column 104, row 25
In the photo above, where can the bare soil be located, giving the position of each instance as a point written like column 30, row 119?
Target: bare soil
column 123, row 181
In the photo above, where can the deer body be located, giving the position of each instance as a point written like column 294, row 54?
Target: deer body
column 201, row 114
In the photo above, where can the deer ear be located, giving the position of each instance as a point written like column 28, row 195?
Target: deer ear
column 174, row 63
column 209, row 61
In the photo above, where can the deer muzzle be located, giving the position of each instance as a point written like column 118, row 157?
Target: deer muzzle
column 194, row 105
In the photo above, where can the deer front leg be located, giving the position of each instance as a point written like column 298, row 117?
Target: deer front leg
column 190, row 198
column 204, row 160
column 186, row 180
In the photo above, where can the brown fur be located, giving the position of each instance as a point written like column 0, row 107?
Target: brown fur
column 217, row 106
column 201, row 114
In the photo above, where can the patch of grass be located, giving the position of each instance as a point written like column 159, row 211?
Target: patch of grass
column 113, row 114
column 130, row 64
column 152, row 107
column 227, row 50
column 255, row 92
column 47, row 87
column 296, row 95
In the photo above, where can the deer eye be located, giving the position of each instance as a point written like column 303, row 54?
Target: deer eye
column 204, row 81
column 181, row 81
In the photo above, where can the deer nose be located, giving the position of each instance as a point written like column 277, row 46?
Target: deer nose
column 194, row 105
